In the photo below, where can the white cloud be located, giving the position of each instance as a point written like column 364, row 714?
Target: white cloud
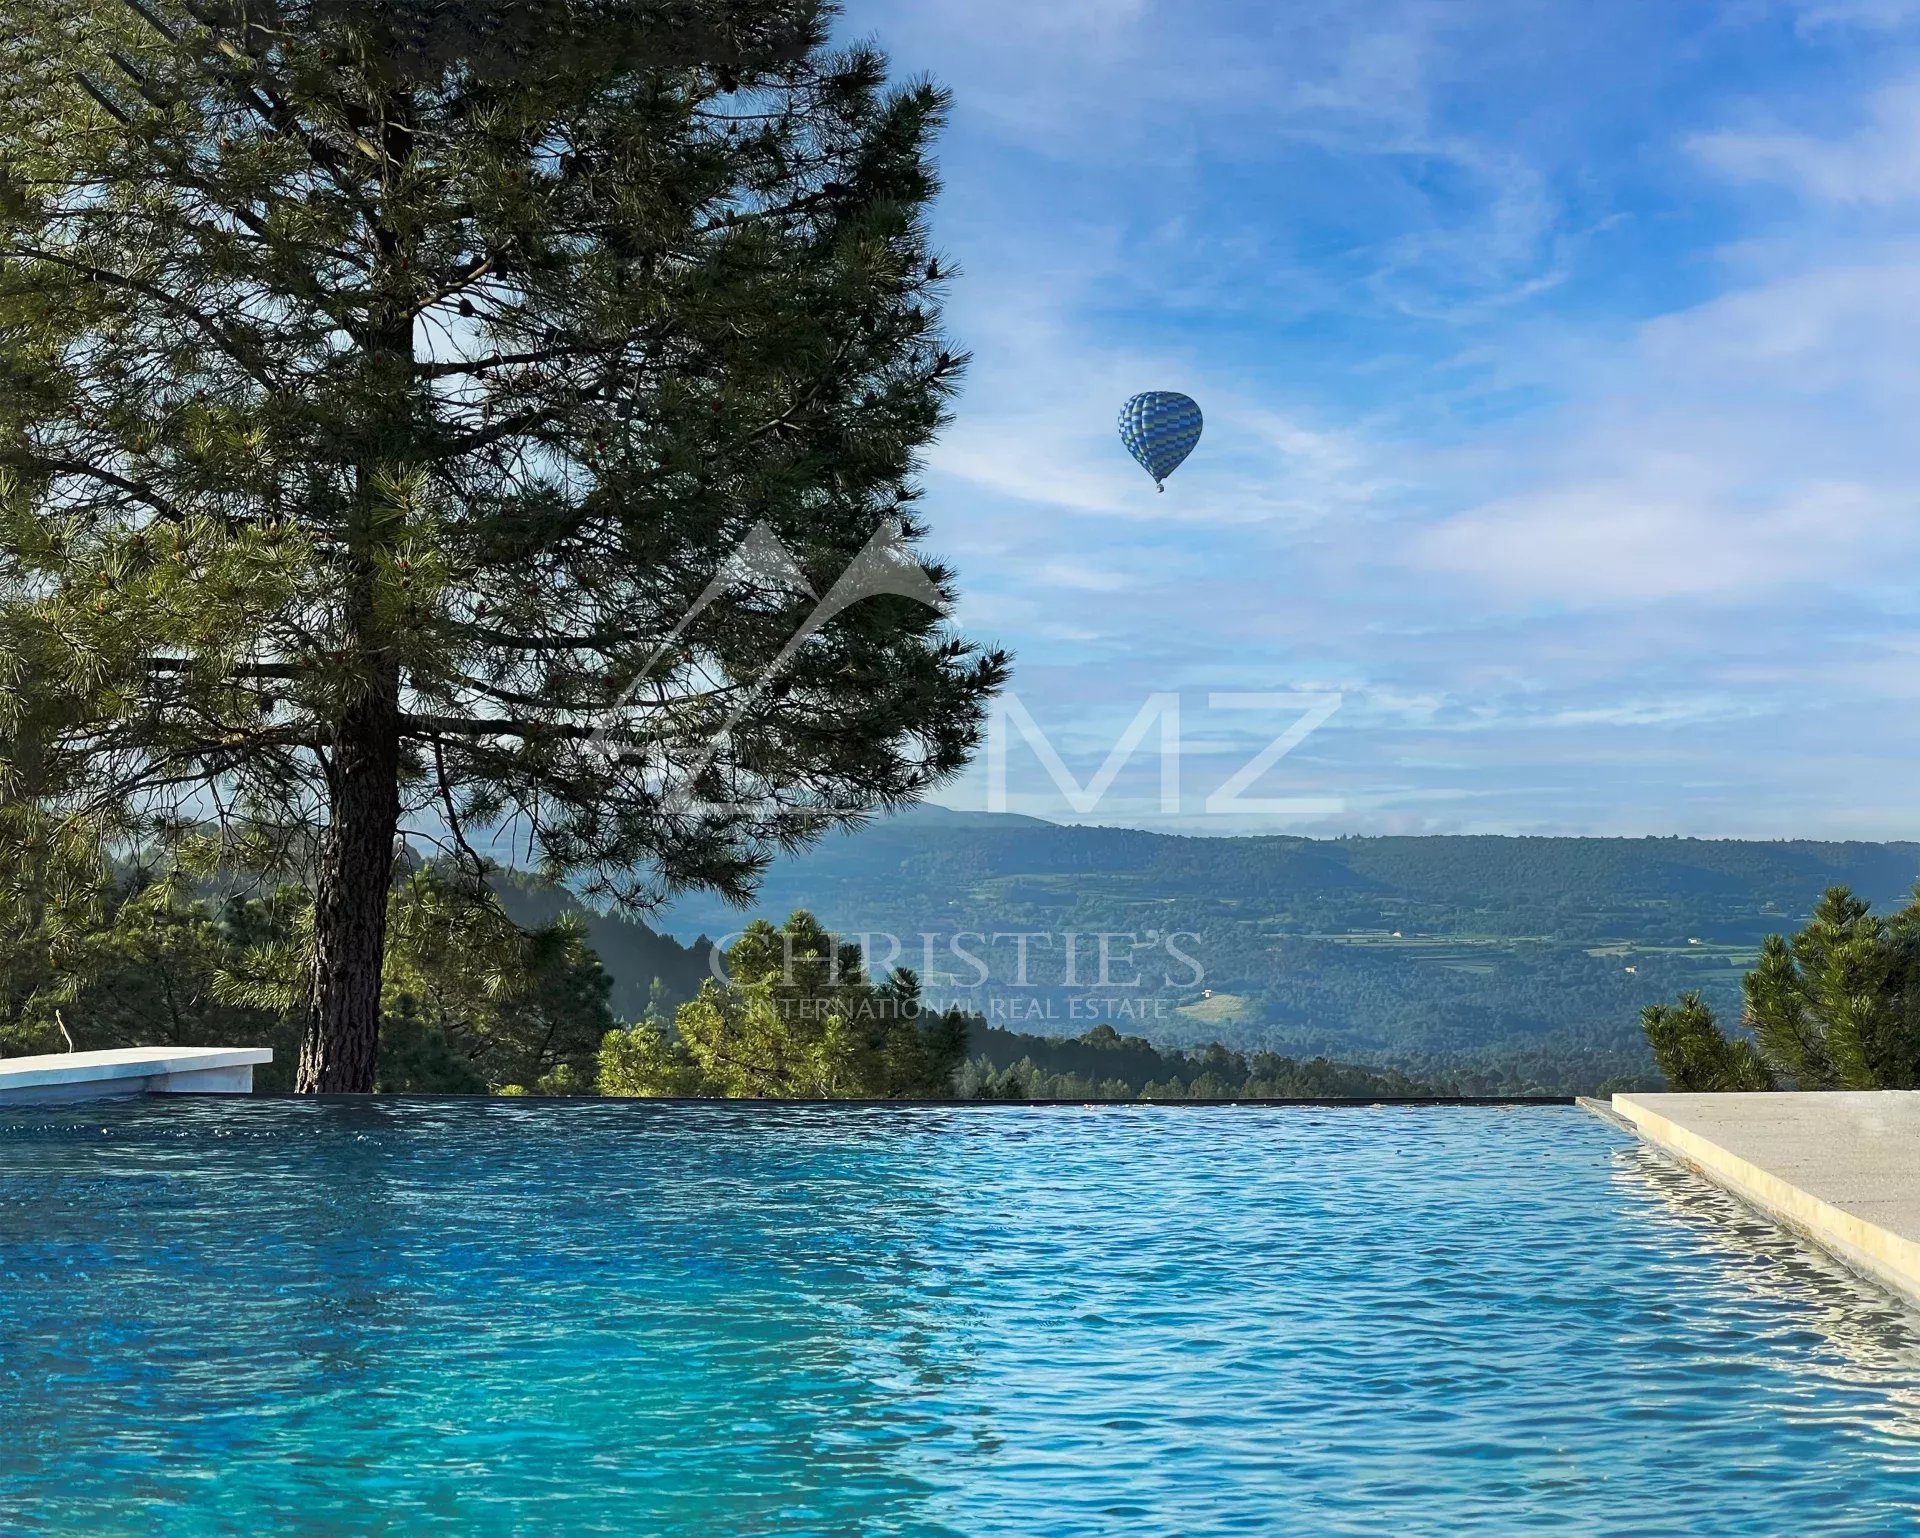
column 1083, row 576
column 1755, row 443
column 1159, row 94
column 1640, row 541
column 1820, row 364
column 1871, row 15
column 1877, row 165
column 1665, row 711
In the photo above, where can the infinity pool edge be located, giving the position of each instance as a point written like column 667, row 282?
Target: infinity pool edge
column 1840, row 1169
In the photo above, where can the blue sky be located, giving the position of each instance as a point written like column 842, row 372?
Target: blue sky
column 1560, row 362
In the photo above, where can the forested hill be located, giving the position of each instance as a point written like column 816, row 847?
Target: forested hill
column 1521, row 882
column 1498, row 962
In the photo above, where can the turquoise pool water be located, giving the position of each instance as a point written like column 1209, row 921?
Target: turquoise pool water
column 497, row 1318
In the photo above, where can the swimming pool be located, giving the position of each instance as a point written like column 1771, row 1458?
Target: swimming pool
column 499, row 1317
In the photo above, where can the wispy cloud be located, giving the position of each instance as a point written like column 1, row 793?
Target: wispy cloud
column 1566, row 431
column 1087, row 578
column 1678, row 531
column 1877, row 164
column 1871, row 15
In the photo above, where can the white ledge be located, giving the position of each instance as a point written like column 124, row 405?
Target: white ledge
column 66, row 1076
column 1840, row 1168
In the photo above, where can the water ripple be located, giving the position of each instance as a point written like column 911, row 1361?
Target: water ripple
column 498, row 1318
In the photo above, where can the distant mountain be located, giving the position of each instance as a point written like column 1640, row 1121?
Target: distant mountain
column 927, row 815
column 1498, row 963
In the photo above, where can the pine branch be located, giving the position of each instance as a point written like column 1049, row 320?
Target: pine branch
column 160, row 296
column 140, row 491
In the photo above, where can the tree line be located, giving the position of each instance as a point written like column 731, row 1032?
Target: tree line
column 471, row 1002
column 475, row 1003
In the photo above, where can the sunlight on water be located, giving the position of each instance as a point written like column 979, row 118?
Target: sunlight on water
column 497, row 1318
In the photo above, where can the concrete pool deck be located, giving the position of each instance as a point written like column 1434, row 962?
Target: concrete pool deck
column 57, row 1077
column 1840, row 1168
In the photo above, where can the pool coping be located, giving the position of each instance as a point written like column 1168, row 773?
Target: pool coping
column 1832, row 1167
column 58, row 1078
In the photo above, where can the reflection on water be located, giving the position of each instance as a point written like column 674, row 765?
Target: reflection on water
column 1866, row 1336
column 621, row 1318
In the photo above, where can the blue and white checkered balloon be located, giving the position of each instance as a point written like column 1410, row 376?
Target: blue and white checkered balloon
column 1160, row 429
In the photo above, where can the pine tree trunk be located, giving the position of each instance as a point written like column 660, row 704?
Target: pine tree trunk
column 341, row 1039
column 340, row 1045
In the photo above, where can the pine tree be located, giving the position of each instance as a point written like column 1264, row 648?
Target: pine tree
column 1692, row 1052
column 382, row 385
column 797, row 1018
column 501, row 1006
column 1836, row 1006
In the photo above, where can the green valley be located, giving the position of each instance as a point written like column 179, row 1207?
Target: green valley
column 1495, row 964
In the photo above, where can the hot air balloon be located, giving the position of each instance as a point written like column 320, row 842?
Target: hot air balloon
column 1160, row 429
